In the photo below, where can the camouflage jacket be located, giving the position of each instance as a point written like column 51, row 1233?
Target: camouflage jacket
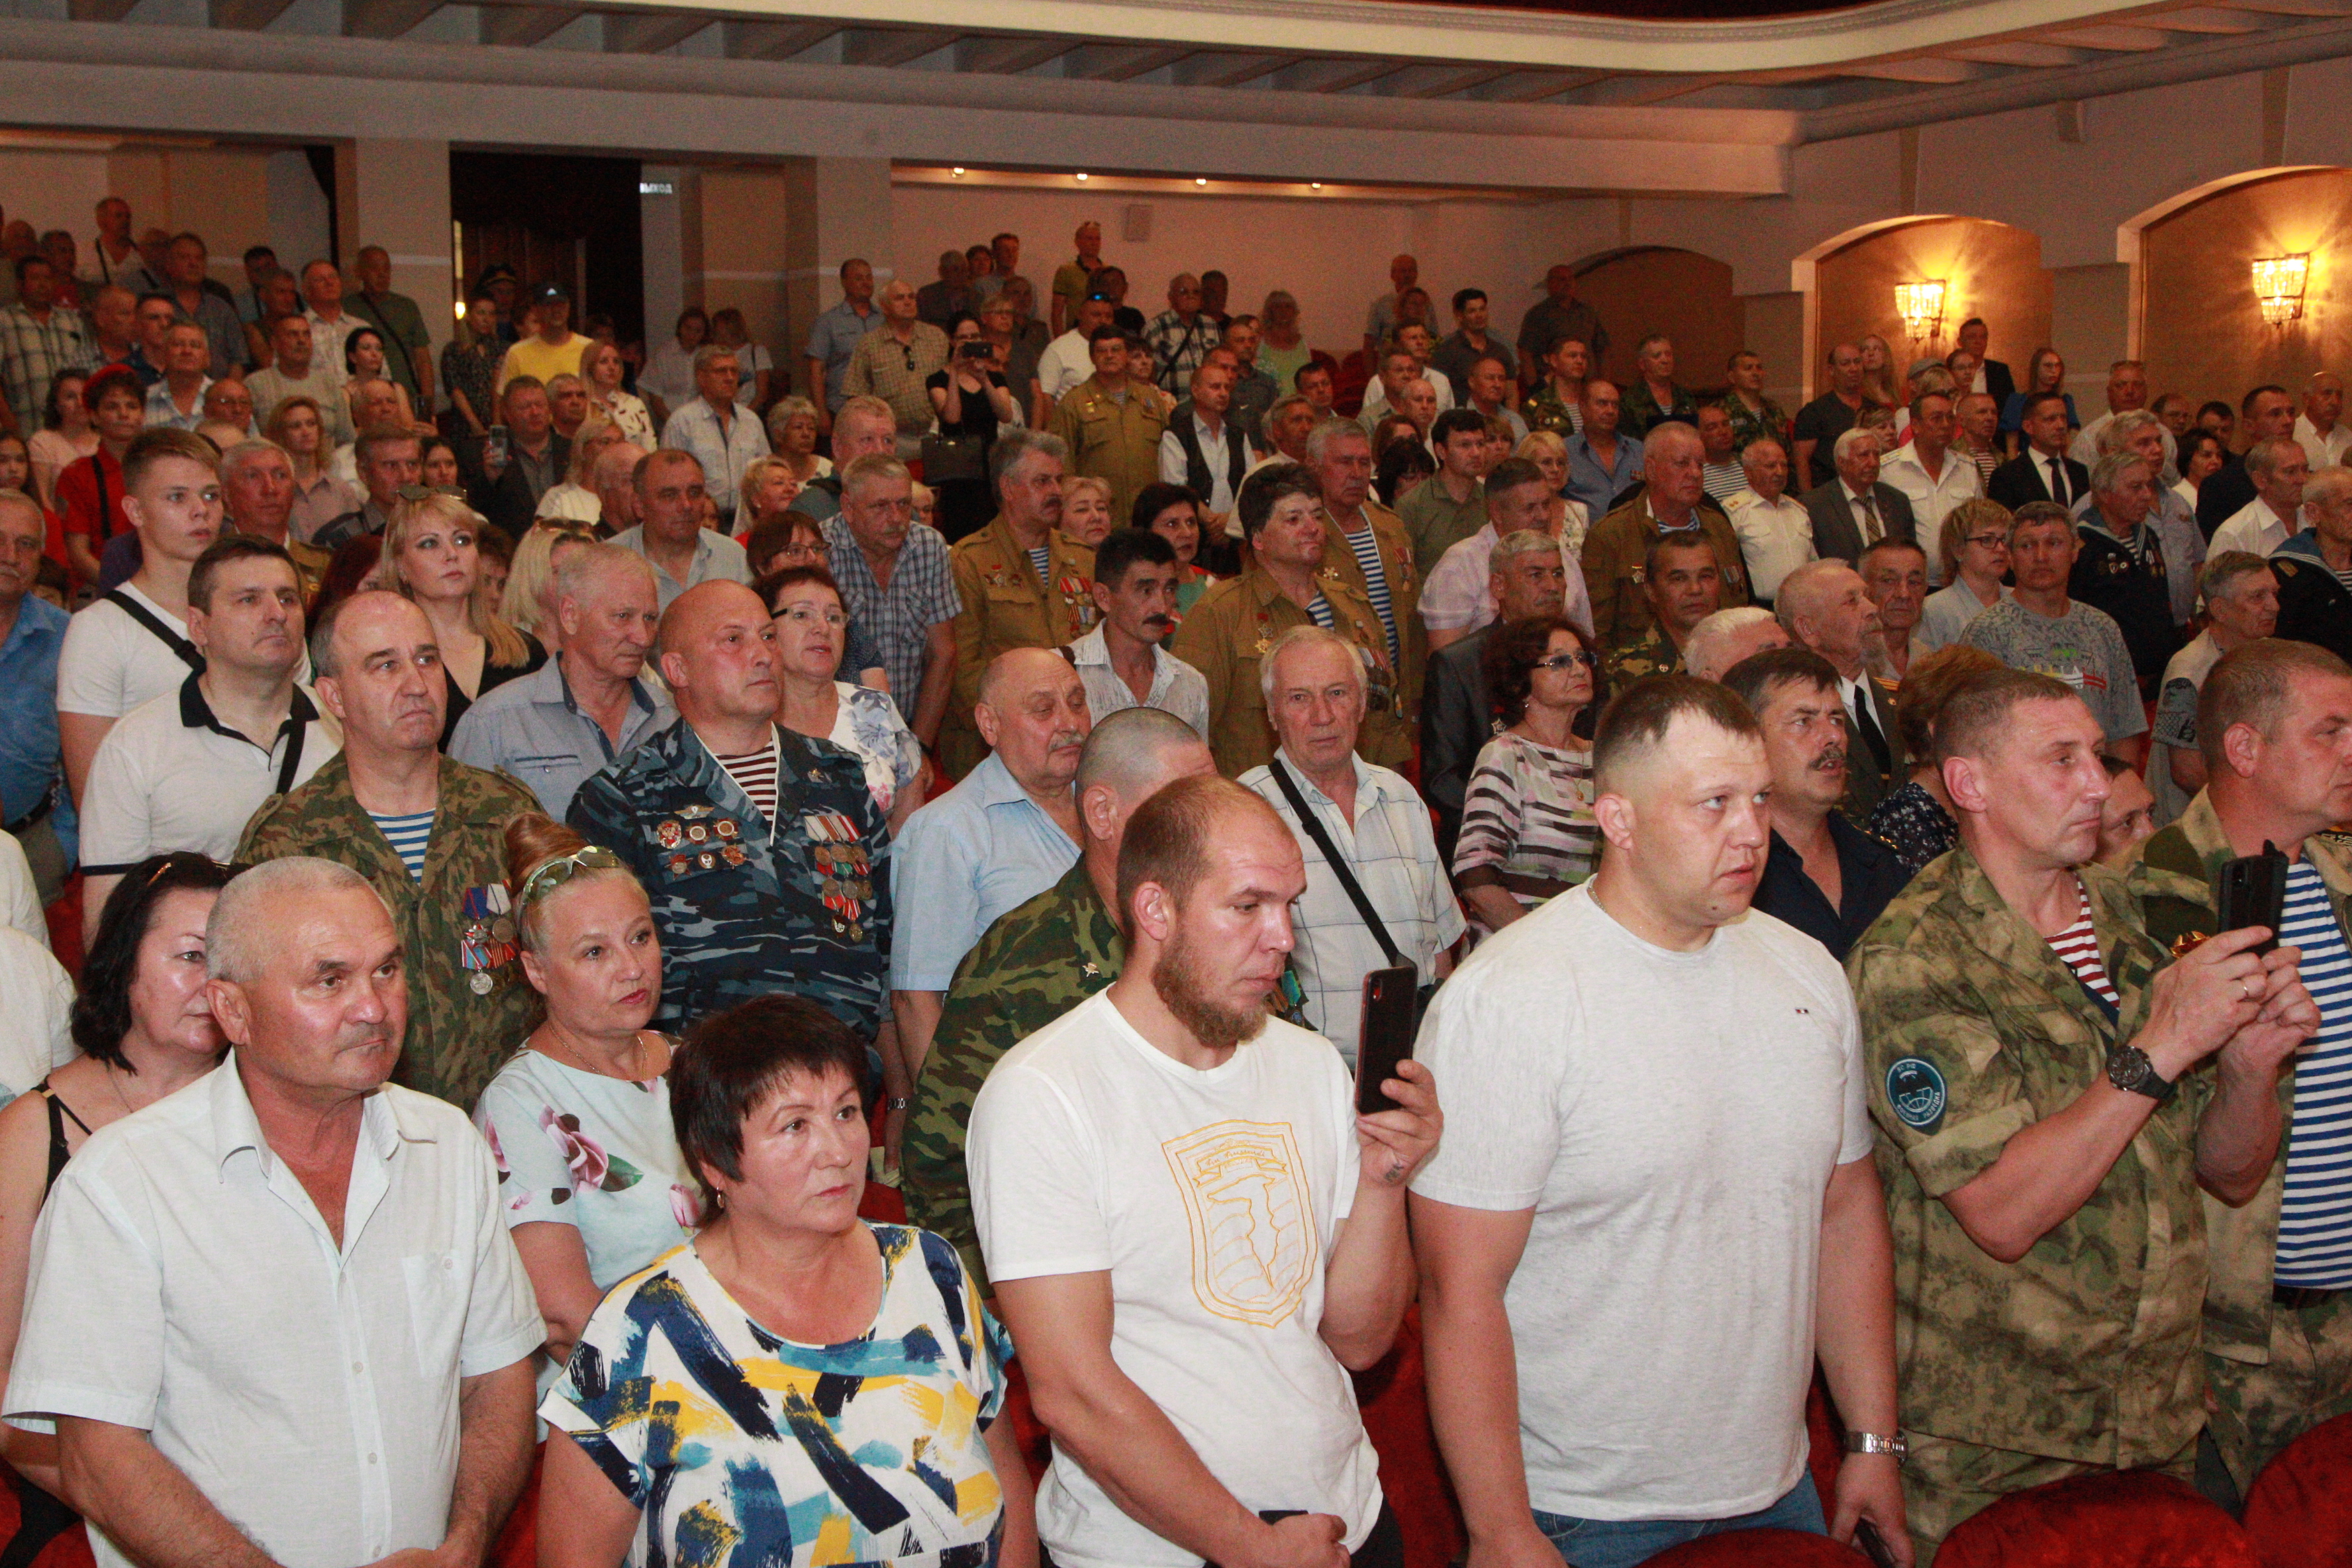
column 2087, row 1348
column 747, row 908
column 1649, row 654
column 2174, row 881
column 1037, row 962
column 1750, row 424
column 469, row 1007
column 1546, row 411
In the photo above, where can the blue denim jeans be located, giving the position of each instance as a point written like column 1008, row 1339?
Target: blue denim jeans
column 1622, row 1543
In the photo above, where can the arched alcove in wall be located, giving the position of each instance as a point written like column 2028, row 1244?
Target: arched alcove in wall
column 2195, row 318
column 1648, row 288
column 1990, row 269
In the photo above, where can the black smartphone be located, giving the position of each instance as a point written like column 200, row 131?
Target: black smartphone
column 1386, row 1038
column 974, row 349
column 1873, row 1544
column 2251, row 892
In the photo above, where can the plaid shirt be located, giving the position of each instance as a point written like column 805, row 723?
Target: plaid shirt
column 899, row 618
column 32, row 353
column 1177, row 350
column 896, row 372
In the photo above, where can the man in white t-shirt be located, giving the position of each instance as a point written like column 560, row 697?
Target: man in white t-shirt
column 131, row 646
column 1193, row 1234
column 1656, row 1202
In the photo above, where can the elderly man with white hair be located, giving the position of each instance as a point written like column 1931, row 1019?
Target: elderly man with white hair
column 724, row 437
column 1776, row 533
column 1856, row 508
column 1826, row 606
column 1726, row 636
column 328, row 1360
column 2173, row 517
column 1362, row 831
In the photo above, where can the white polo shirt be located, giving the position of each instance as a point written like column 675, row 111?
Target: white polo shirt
column 34, row 1028
column 172, row 776
column 308, row 1391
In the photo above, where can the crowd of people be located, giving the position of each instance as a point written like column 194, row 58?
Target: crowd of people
column 1004, row 774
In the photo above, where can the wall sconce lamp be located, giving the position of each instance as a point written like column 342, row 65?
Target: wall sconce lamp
column 2278, row 285
column 1921, row 306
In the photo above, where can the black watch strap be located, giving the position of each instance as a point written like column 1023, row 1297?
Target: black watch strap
column 2130, row 1069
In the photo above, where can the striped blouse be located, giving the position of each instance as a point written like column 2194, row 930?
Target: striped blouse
column 1526, row 820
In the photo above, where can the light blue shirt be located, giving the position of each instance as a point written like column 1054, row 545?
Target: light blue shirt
column 978, row 850
column 833, row 338
column 162, row 410
column 30, row 757
column 715, row 555
column 1590, row 482
column 530, row 729
column 724, row 455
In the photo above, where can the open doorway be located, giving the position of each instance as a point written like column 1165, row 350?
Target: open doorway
column 572, row 221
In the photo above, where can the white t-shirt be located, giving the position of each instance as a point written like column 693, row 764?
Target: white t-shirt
column 36, row 999
column 110, row 664
column 1213, row 1199
column 20, row 896
column 1673, row 1118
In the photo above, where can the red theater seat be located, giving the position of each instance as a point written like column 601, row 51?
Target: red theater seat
column 2299, row 1510
column 2133, row 1519
column 517, row 1544
column 1760, row 1548
column 1394, row 1398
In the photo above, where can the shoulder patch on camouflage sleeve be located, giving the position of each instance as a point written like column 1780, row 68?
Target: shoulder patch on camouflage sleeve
column 1916, row 1089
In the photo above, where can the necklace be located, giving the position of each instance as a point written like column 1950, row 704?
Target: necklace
column 119, row 1098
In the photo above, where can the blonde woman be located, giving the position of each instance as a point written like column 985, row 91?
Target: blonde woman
column 526, row 602
column 575, row 499
column 768, row 488
column 1878, row 373
column 792, row 437
column 600, row 372
column 431, row 555
column 1086, row 510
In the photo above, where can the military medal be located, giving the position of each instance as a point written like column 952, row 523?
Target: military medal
column 486, row 939
column 480, row 982
column 669, row 835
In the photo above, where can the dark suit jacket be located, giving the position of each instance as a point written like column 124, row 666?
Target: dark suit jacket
column 1835, row 532
column 1998, row 382
column 1456, row 721
column 1865, row 784
column 2226, row 491
column 2025, row 478
column 507, row 500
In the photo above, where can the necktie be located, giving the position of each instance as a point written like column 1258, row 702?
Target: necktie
column 1868, row 504
column 2058, row 481
column 1866, row 725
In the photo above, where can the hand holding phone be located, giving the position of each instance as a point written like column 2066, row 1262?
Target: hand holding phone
column 1386, row 1036
column 2251, row 892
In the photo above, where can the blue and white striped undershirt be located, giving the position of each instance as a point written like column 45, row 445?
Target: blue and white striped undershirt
column 2315, row 1245
column 1041, row 561
column 1320, row 611
column 408, row 837
column 1366, row 543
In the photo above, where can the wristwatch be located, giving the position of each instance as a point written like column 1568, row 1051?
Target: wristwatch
column 2130, row 1069
column 1873, row 1443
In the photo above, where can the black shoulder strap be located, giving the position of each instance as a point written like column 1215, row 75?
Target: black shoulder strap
column 146, row 617
column 1314, row 826
column 298, row 727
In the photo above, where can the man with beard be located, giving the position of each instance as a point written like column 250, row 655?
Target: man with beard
column 1004, row 834
column 1314, row 685
column 1125, row 661
column 1823, row 875
column 1192, row 1236
column 1577, row 1376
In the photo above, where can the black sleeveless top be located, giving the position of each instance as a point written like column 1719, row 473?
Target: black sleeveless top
column 58, row 1113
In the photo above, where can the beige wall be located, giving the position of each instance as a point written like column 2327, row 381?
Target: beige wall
column 2201, row 332
column 1681, row 293
column 1992, row 270
column 220, row 193
column 733, row 244
column 396, row 193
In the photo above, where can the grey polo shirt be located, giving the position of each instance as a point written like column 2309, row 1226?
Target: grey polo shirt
column 530, row 729
column 716, row 555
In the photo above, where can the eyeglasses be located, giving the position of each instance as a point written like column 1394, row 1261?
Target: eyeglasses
column 1990, row 540
column 802, row 615
column 553, row 874
column 1560, row 663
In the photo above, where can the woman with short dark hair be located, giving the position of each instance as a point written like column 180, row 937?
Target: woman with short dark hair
column 1527, row 830
column 822, row 1379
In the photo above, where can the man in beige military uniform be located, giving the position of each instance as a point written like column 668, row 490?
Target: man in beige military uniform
column 2272, row 727
column 1674, row 467
column 1111, row 425
column 1023, row 581
column 1362, row 538
column 2025, row 1040
column 1286, row 583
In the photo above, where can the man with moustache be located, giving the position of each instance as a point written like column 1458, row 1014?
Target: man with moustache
column 1823, row 875
column 319, row 1342
column 1125, row 661
column 762, row 849
column 1191, row 1234
column 427, row 832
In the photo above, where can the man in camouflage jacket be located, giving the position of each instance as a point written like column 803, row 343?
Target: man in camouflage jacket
column 469, row 1007
column 1036, row 962
column 2042, row 1175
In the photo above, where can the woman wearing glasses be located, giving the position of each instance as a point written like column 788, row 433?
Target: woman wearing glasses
column 1528, row 827
column 144, row 1029
column 430, row 555
column 594, row 1185
column 811, row 632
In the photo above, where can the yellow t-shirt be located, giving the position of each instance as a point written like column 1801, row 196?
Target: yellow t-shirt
column 535, row 358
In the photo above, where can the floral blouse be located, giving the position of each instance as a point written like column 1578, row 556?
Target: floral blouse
column 1911, row 823
column 867, row 722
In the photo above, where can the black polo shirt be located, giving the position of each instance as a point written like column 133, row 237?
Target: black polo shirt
column 1870, row 871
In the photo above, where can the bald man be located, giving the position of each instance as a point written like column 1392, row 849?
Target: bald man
column 1003, row 835
column 1038, row 960
column 760, row 848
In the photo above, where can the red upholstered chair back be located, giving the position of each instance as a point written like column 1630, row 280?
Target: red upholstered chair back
column 2132, row 1519
column 1760, row 1548
column 1352, row 381
column 2299, row 1510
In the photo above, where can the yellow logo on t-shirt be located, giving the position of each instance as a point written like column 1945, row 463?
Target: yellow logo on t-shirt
column 1254, row 1244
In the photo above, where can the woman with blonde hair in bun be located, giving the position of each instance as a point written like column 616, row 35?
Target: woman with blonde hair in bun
column 593, row 1184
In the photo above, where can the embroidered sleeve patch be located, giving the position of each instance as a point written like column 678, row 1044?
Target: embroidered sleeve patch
column 1916, row 1089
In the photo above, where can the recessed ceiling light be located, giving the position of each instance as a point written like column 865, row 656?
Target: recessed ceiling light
column 1082, row 174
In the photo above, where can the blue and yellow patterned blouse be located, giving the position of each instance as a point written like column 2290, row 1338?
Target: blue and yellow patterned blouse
column 742, row 1446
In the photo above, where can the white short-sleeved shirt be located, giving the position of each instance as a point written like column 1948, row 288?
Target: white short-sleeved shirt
column 1673, row 1118
column 1459, row 592
column 1212, row 1198
column 311, row 1394
column 20, row 895
column 36, row 999
column 1776, row 537
column 171, row 776
column 110, row 664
